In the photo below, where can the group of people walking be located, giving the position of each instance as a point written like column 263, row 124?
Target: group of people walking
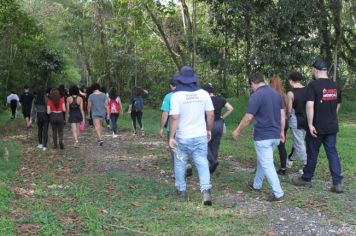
column 57, row 106
column 194, row 125
column 193, row 119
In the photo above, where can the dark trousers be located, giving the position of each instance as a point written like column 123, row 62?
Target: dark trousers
column 113, row 119
column 136, row 115
column 282, row 150
column 42, row 124
column 57, row 123
column 313, row 147
column 13, row 105
column 214, row 144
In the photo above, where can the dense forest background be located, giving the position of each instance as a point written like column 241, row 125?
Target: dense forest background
column 123, row 43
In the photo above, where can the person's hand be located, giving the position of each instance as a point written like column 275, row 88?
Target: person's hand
column 161, row 133
column 313, row 131
column 235, row 134
column 107, row 116
column 172, row 143
column 209, row 135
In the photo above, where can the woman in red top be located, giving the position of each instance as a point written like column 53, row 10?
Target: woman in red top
column 55, row 108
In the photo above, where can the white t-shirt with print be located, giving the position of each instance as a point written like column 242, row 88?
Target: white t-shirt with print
column 191, row 108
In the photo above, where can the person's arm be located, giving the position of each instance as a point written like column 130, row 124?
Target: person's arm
column 243, row 124
column 108, row 112
column 209, row 122
column 290, row 97
column 64, row 106
column 310, row 117
column 229, row 109
column 89, row 108
column 67, row 105
column 48, row 110
column 164, row 119
column 172, row 131
column 121, row 110
column 81, row 105
column 283, row 124
column 129, row 110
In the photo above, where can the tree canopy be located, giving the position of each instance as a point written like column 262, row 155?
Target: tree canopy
column 126, row 43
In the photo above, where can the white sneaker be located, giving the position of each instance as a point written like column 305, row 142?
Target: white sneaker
column 44, row 149
column 289, row 163
column 39, row 146
column 301, row 172
column 114, row 135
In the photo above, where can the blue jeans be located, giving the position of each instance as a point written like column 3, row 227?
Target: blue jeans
column 198, row 149
column 313, row 147
column 265, row 166
column 113, row 119
column 214, row 144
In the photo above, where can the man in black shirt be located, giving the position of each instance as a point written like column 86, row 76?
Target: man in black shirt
column 26, row 103
column 323, row 102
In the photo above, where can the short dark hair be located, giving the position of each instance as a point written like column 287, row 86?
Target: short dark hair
column 73, row 90
column 95, row 86
column 208, row 88
column 295, row 76
column 256, row 78
column 26, row 87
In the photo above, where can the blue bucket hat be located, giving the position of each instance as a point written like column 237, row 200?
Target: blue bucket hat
column 187, row 75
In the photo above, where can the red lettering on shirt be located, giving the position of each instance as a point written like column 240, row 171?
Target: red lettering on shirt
column 329, row 94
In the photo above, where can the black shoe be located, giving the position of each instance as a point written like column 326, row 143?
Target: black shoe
column 282, row 171
column 298, row 181
column 207, row 198
column 337, row 188
column 212, row 168
column 250, row 186
column 61, row 145
column 273, row 198
column 181, row 194
column 189, row 170
column 100, row 142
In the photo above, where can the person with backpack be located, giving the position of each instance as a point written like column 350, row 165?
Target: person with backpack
column 136, row 109
column 114, row 110
column 76, row 112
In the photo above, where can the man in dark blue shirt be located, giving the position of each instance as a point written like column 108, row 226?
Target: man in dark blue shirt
column 266, row 109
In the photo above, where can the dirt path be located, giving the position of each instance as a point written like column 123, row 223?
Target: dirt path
column 143, row 156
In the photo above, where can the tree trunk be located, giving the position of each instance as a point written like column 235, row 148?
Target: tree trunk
column 164, row 37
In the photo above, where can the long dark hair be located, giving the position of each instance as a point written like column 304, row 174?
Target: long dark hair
column 55, row 97
column 40, row 97
column 112, row 93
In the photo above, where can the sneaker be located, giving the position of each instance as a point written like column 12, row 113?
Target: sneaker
column 336, row 188
column 207, row 197
column 212, row 168
column 282, row 171
column 250, row 186
column 289, row 163
column 114, row 135
column 298, row 181
column 76, row 144
column 61, row 145
column 142, row 133
column 40, row 146
column 273, row 198
column 189, row 170
column 101, row 142
column 134, row 133
column 108, row 126
column 44, row 149
column 300, row 171
column 181, row 194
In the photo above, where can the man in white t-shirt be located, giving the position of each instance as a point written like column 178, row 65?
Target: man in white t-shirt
column 13, row 101
column 192, row 118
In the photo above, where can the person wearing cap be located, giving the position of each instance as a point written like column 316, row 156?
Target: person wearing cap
column 190, row 132
column 297, row 118
column 214, row 144
column 266, row 110
column 165, row 107
column 323, row 103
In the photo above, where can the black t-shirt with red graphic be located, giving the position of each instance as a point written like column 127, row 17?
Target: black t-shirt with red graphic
column 326, row 95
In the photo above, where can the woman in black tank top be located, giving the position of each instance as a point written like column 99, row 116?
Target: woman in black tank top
column 76, row 112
